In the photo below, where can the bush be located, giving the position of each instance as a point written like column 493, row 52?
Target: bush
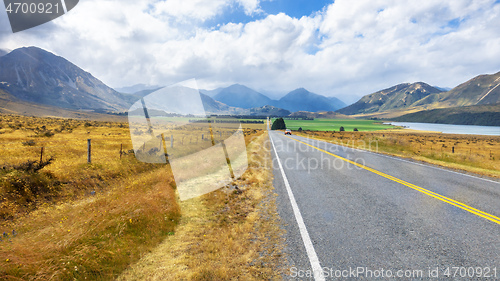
column 22, row 185
column 300, row 129
column 355, row 129
column 278, row 124
column 341, row 129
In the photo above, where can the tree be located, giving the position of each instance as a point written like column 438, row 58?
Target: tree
column 341, row 129
column 278, row 124
column 355, row 129
column 300, row 129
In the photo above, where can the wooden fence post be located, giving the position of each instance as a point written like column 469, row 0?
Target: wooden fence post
column 89, row 150
column 41, row 155
column 121, row 150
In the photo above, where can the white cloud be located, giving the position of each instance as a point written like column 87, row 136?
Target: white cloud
column 251, row 6
column 351, row 48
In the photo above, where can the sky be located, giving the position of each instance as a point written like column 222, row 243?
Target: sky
column 342, row 48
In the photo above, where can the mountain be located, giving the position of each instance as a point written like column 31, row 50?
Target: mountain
column 397, row 97
column 303, row 100
column 137, row 88
column 242, row 96
column 35, row 75
column 337, row 103
column 410, row 98
column 484, row 115
column 300, row 99
column 211, row 93
column 3, row 52
column 483, row 89
column 215, row 107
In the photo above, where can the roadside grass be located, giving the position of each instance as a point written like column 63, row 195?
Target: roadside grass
column 477, row 154
column 73, row 219
column 90, row 220
column 93, row 238
column 230, row 234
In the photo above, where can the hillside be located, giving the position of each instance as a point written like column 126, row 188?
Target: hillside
column 37, row 76
column 484, row 115
column 397, row 97
column 483, row 89
column 11, row 105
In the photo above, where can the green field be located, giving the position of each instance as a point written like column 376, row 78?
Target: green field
column 335, row 124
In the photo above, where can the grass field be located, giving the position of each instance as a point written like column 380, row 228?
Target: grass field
column 335, row 124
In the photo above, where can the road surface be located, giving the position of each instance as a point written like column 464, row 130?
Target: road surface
column 356, row 214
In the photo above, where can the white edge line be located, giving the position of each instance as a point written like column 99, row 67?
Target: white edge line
column 311, row 253
column 407, row 161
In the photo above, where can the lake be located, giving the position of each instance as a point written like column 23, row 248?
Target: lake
column 451, row 129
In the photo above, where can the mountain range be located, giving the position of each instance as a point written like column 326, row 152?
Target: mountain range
column 407, row 98
column 35, row 76
column 297, row 100
column 35, row 81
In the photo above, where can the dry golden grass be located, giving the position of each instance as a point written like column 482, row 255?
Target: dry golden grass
column 67, row 233
column 477, row 154
column 230, row 234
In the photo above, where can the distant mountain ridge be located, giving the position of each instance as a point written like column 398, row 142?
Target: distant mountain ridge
column 480, row 90
column 241, row 96
column 35, row 75
column 400, row 96
column 303, row 100
column 297, row 100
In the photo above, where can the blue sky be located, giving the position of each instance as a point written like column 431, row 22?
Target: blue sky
column 292, row 8
column 344, row 48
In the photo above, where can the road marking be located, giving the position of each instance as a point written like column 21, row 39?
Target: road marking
column 415, row 187
column 311, row 253
column 406, row 161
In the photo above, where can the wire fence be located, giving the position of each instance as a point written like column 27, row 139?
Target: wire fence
column 92, row 150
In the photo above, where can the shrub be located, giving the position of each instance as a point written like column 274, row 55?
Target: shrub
column 341, row 129
column 355, row 129
column 300, row 129
column 278, row 124
column 22, row 185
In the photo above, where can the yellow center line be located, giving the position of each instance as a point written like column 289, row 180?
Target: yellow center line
column 415, row 187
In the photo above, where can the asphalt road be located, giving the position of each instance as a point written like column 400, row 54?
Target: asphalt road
column 385, row 217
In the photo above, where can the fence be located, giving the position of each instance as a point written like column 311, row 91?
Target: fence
column 89, row 150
